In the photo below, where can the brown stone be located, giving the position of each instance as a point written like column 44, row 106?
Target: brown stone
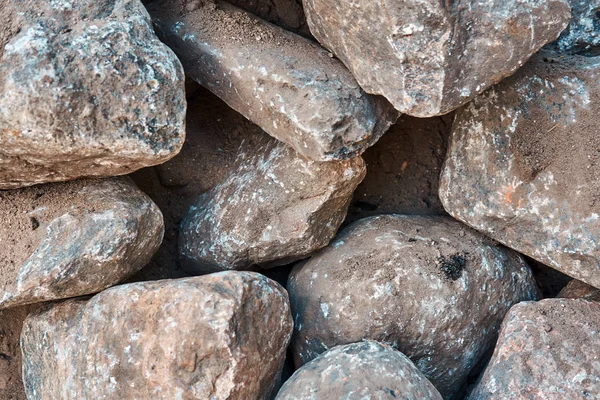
column 426, row 285
column 286, row 84
column 429, row 57
column 579, row 290
column 70, row 239
column 287, row 14
column 277, row 207
column 366, row 370
column 86, row 89
column 546, row 350
column 220, row 336
column 523, row 160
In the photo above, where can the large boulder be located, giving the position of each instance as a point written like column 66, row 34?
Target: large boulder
column 429, row 286
column 546, row 350
column 284, row 83
column 367, row 370
column 86, row 89
column 583, row 33
column 523, row 160
column 69, row 239
column 220, row 336
column 276, row 207
column 428, row 57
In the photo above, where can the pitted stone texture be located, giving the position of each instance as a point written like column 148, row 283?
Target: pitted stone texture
column 583, row 33
column 579, row 290
column 287, row 14
column 367, row 370
column 429, row 286
column 86, row 89
column 428, row 57
column 220, row 336
column 523, row 160
column 284, row 83
column 546, row 350
column 70, row 239
column 11, row 322
column 277, row 207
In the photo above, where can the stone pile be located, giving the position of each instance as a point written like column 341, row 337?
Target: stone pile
column 270, row 242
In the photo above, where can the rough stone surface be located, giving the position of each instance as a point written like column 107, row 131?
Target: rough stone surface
column 277, row 207
column 427, row 285
column 579, row 290
column 546, row 350
column 287, row 14
column 428, row 57
column 220, row 336
column 284, row 83
column 86, row 89
column 367, row 370
column 69, row 239
column 523, row 160
column 583, row 33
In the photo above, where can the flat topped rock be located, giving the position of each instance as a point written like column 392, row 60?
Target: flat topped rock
column 523, row 160
column 219, row 336
column 70, row 239
column 429, row 57
column 86, row 90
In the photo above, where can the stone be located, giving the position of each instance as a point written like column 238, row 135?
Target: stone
column 86, row 90
column 426, row 285
column 579, row 290
column 70, row 239
column 284, row 83
column 366, row 370
column 522, row 162
column 429, row 57
column 277, row 207
column 288, row 14
column 582, row 35
column 546, row 350
column 219, row 336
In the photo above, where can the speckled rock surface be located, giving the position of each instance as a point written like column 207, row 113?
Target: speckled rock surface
column 220, row 336
column 287, row 14
column 286, row 84
column 86, row 89
column 546, row 350
column 429, row 286
column 583, row 33
column 579, row 290
column 69, row 239
column 522, row 164
column 367, row 370
column 276, row 207
column 429, row 57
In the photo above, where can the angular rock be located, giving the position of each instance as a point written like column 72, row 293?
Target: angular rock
column 287, row 14
column 583, row 33
column 546, row 350
column 70, row 239
column 523, row 160
column 220, row 336
column 284, row 83
column 429, row 57
column 277, row 207
column 367, row 370
column 579, row 290
column 426, row 285
column 86, row 89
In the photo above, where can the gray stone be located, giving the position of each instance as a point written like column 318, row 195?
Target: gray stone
column 70, row 239
column 523, row 160
column 546, row 350
column 277, row 207
column 284, row 83
column 429, row 57
column 86, row 89
column 426, row 285
column 583, row 33
column 220, row 336
column 367, row 370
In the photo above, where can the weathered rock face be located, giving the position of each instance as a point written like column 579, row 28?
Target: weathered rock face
column 546, row 350
column 277, row 207
column 427, row 57
column 367, row 370
column 288, row 14
column 429, row 286
column 286, row 84
column 86, row 89
column 70, row 239
column 11, row 322
column 219, row 336
column 523, row 160
column 579, row 290
column 583, row 33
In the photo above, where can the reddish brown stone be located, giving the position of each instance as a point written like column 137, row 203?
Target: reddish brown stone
column 579, row 290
